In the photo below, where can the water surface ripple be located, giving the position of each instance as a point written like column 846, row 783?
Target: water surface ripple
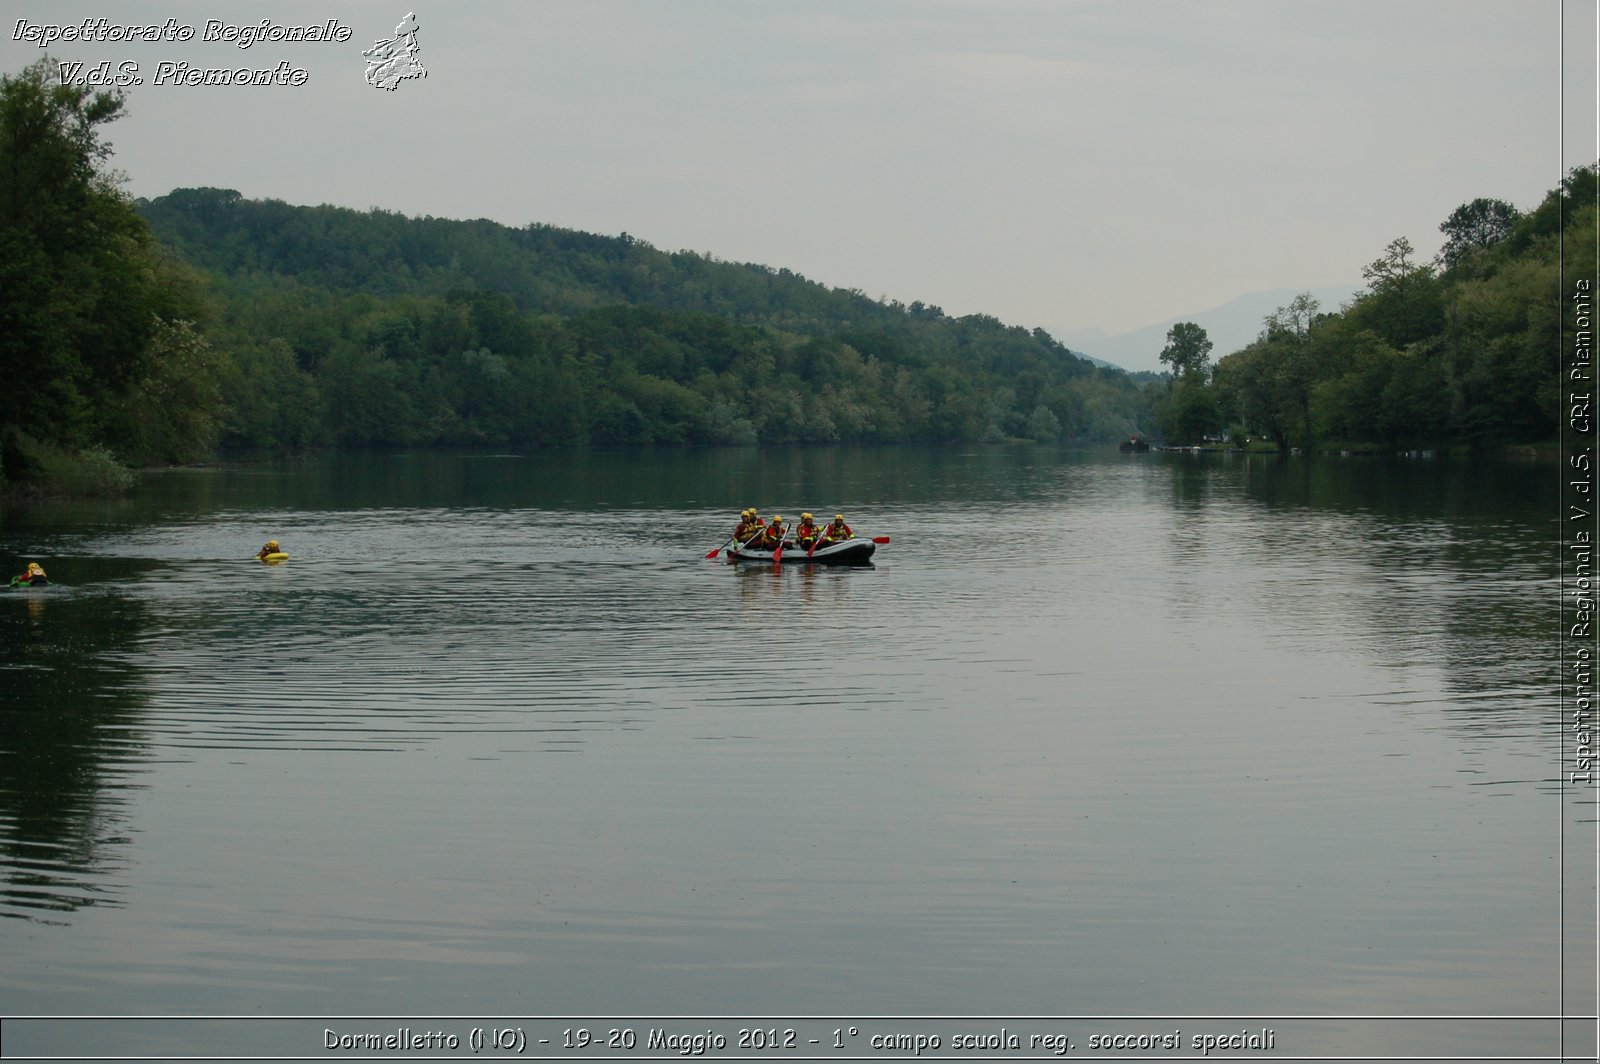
column 1135, row 734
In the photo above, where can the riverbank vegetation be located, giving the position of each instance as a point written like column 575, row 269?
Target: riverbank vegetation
column 101, row 349
column 146, row 332
column 1462, row 352
column 352, row 327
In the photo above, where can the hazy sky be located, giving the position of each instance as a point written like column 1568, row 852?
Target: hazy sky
column 1067, row 164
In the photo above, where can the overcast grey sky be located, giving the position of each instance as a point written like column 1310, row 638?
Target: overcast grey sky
column 1066, row 164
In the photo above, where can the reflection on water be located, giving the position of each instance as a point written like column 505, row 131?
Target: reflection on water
column 1092, row 730
column 71, row 744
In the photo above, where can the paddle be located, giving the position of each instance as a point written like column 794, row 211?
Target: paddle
column 756, row 535
column 777, row 552
column 815, row 539
column 821, row 537
column 732, row 538
column 880, row 539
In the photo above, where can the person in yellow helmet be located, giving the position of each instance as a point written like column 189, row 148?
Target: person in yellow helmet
column 33, row 576
column 271, row 547
column 806, row 532
column 837, row 530
column 749, row 525
column 772, row 535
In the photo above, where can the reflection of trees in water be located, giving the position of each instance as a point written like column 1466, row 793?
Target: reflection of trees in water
column 66, row 739
column 781, row 480
column 1447, row 555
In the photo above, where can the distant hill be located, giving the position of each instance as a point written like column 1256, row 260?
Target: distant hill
column 1230, row 327
column 1099, row 361
column 381, row 328
column 542, row 268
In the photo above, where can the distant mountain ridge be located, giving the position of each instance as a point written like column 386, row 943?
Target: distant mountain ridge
column 1230, row 327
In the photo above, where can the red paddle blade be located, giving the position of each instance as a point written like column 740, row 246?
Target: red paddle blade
column 880, row 539
column 714, row 552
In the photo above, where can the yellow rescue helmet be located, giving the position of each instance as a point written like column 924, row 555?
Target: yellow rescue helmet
column 805, row 517
column 35, row 567
column 838, row 517
column 272, row 543
column 776, row 518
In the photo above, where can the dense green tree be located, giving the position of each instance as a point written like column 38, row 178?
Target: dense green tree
column 1268, row 385
column 367, row 398
column 1405, row 301
column 57, row 268
column 1473, row 227
column 1498, row 351
column 96, row 334
column 1293, row 319
column 1248, row 389
column 172, row 410
column 270, row 401
column 1188, row 350
column 1421, row 358
column 1043, row 425
column 1189, row 411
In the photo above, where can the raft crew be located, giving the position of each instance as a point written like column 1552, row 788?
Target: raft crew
column 837, row 531
column 33, row 576
column 772, row 535
column 806, row 532
column 271, row 547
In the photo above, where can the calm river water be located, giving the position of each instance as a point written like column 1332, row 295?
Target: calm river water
column 1102, row 746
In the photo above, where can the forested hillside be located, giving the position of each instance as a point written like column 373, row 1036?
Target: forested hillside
column 375, row 328
column 148, row 332
column 1460, row 351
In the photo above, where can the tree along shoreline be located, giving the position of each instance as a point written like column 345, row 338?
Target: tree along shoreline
column 361, row 328
column 1462, row 352
column 151, row 332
